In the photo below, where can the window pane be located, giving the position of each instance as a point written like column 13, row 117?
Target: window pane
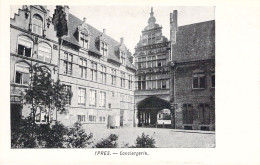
column 41, row 55
column 195, row 82
column 20, row 49
column 18, row 78
column 202, row 82
column 26, row 78
column 159, row 84
column 164, row 84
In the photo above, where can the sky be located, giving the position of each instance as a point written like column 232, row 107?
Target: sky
column 129, row 21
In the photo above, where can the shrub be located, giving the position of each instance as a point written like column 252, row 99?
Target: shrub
column 145, row 141
column 109, row 142
column 23, row 134
column 76, row 137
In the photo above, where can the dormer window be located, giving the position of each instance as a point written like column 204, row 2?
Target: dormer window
column 84, row 40
column 122, row 57
column 103, row 48
column 37, row 23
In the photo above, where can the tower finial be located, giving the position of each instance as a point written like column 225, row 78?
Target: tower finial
column 151, row 11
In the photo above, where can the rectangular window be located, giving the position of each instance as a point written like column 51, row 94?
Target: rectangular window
column 24, row 47
column 83, row 68
column 164, row 84
column 92, row 98
column 44, row 53
column 81, row 96
column 151, row 39
column 67, row 89
column 149, row 84
column 187, row 114
column 159, row 63
column 159, row 84
column 81, row 118
column 22, row 75
column 67, row 63
column 139, row 66
column 103, row 48
column 139, row 85
column 149, row 64
column 122, row 80
column 92, row 118
column 84, row 40
column 93, row 71
column 154, row 84
column 103, row 74
column 199, row 81
column 113, row 77
column 102, row 99
column 204, row 114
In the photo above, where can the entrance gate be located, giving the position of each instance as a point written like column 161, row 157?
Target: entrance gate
column 148, row 110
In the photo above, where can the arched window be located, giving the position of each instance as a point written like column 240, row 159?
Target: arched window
column 44, row 52
column 25, row 45
column 22, row 75
column 37, row 23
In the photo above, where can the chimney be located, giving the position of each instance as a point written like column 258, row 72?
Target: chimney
column 104, row 31
column 121, row 40
column 66, row 10
column 173, row 31
column 84, row 19
column 174, row 26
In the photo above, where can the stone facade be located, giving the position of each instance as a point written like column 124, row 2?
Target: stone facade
column 94, row 67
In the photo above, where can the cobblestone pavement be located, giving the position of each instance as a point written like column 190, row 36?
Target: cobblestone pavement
column 165, row 138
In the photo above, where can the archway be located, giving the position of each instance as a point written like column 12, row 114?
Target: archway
column 149, row 108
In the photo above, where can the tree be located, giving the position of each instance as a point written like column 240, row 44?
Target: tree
column 44, row 93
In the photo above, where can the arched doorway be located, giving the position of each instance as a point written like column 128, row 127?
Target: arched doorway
column 149, row 108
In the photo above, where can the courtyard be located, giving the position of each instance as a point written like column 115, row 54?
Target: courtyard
column 165, row 138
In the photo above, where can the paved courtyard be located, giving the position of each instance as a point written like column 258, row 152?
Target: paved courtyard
column 165, row 138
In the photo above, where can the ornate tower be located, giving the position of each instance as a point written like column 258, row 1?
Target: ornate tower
column 152, row 54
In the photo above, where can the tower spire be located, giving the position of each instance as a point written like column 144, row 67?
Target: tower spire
column 152, row 19
column 151, row 14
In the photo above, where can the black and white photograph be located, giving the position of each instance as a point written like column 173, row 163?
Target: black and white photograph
column 73, row 85
column 130, row 82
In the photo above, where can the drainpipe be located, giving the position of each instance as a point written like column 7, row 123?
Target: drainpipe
column 58, row 72
column 173, row 69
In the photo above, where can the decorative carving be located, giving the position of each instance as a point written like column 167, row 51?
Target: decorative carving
column 48, row 22
column 55, row 47
column 26, row 12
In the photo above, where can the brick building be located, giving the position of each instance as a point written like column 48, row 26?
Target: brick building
column 152, row 55
column 193, row 74
column 94, row 67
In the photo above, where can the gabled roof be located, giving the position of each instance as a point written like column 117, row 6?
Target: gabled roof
column 195, row 42
column 74, row 22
